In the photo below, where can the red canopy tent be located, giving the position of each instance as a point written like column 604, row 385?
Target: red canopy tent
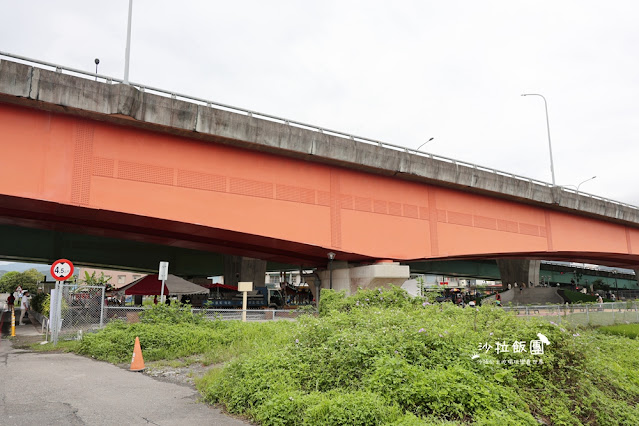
column 150, row 285
column 222, row 286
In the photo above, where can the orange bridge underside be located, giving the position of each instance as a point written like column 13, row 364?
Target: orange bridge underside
column 74, row 174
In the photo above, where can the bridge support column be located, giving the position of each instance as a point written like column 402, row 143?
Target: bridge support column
column 239, row 268
column 519, row 271
column 352, row 278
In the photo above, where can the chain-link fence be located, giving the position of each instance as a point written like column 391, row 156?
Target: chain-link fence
column 129, row 314
column 82, row 309
column 132, row 314
column 251, row 314
column 75, row 309
column 583, row 314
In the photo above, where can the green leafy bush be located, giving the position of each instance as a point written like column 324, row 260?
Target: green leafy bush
column 404, row 361
column 39, row 303
column 171, row 314
column 332, row 301
column 381, row 357
column 177, row 333
column 578, row 297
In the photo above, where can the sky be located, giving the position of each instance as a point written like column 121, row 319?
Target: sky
column 401, row 72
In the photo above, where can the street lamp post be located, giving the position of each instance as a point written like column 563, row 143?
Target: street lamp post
column 127, row 53
column 577, row 193
column 578, row 186
column 587, row 180
column 424, row 143
column 552, row 166
column 331, row 256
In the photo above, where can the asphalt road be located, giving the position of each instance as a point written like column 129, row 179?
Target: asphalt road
column 65, row 389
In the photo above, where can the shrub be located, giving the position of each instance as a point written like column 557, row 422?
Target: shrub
column 359, row 407
column 399, row 360
column 380, row 357
column 40, row 303
column 393, row 296
column 173, row 314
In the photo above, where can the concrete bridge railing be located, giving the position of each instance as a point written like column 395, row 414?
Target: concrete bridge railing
column 81, row 91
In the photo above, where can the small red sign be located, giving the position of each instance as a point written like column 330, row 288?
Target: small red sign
column 62, row 269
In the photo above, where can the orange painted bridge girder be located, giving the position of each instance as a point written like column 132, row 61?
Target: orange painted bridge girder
column 71, row 173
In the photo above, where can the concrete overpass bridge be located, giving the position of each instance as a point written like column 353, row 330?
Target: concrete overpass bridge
column 91, row 166
column 549, row 272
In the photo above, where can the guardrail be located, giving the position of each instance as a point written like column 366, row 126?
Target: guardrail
column 131, row 314
column 582, row 314
column 250, row 113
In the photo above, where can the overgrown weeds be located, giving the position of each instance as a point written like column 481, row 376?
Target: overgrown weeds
column 172, row 332
column 382, row 357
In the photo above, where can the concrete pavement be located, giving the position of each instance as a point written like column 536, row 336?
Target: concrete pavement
column 66, row 389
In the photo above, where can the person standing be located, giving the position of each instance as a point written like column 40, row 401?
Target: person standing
column 11, row 300
column 599, row 301
column 24, row 305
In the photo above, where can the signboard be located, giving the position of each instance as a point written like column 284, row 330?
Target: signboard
column 163, row 274
column 62, row 269
column 245, row 286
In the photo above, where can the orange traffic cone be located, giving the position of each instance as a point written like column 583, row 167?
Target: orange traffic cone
column 137, row 362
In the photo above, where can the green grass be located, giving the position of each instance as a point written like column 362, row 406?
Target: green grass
column 62, row 346
column 381, row 357
column 630, row 331
column 173, row 333
column 395, row 362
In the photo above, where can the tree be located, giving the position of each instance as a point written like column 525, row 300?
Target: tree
column 28, row 280
column 598, row 284
column 101, row 280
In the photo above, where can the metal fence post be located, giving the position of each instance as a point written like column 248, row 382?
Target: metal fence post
column 53, row 308
column 613, row 312
column 587, row 314
column 102, row 309
column 58, row 308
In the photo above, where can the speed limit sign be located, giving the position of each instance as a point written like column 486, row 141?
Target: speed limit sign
column 62, row 269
